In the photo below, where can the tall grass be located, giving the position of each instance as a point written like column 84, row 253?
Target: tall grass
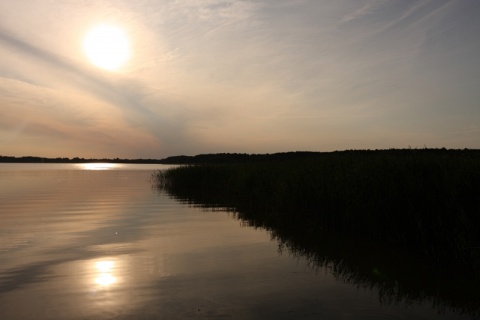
column 419, row 209
column 422, row 200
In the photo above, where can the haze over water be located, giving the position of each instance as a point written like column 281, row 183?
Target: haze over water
column 77, row 243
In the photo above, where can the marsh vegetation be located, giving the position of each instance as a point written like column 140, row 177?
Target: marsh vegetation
column 404, row 221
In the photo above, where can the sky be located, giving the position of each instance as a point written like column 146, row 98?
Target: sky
column 246, row 76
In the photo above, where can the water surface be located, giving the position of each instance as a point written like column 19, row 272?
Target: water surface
column 97, row 241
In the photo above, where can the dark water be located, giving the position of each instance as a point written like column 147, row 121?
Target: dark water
column 77, row 243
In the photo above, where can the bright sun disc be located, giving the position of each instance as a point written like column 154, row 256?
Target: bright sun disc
column 106, row 47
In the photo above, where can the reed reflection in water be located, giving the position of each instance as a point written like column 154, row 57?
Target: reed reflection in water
column 101, row 244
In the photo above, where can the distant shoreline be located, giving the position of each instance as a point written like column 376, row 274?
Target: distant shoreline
column 227, row 157
column 32, row 159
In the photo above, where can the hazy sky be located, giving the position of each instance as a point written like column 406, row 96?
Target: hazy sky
column 251, row 76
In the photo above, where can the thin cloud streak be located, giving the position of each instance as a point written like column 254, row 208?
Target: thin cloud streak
column 134, row 113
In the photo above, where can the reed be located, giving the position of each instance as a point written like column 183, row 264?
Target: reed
column 424, row 201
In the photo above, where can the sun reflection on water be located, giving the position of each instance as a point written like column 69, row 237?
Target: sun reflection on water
column 104, row 273
column 98, row 166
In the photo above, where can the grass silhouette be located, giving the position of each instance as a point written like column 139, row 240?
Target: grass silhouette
column 426, row 201
column 404, row 222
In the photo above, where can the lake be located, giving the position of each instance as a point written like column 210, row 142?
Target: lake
column 98, row 241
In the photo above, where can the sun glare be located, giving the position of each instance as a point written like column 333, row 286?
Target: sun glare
column 97, row 166
column 107, row 47
column 104, row 273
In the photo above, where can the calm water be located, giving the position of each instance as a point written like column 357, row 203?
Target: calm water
column 98, row 242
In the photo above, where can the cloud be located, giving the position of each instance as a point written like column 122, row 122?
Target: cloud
column 223, row 74
column 43, row 95
column 369, row 8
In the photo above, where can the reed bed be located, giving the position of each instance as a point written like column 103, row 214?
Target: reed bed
column 425, row 201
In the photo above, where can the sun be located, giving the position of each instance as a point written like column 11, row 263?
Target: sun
column 107, row 47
